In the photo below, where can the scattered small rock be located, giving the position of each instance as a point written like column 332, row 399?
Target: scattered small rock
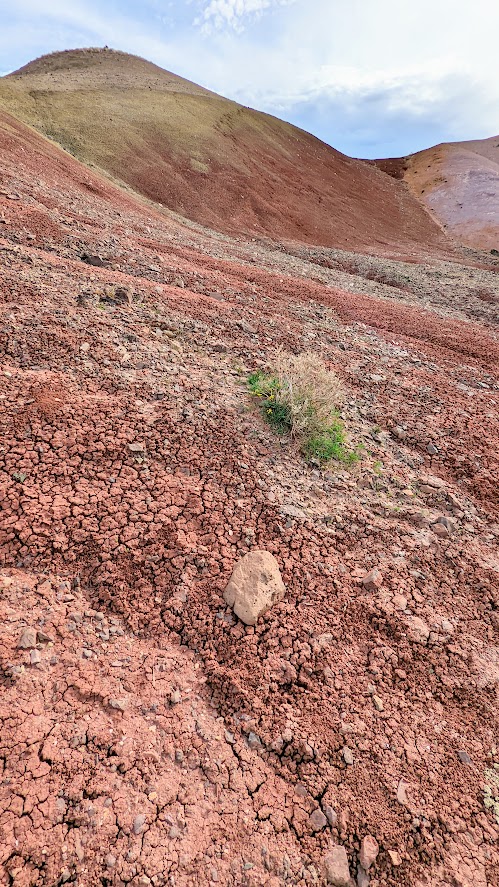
column 395, row 857
column 418, row 630
column 378, row 703
column 363, row 879
column 331, row 815
column 399, row 601
column 35, row 657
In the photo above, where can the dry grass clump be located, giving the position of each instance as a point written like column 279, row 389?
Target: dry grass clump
column 301, row 397
column 310, row 391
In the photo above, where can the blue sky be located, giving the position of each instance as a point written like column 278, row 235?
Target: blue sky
column 373, row 78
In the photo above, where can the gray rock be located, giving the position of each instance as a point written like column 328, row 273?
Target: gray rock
column 118, row 704
column 331, row 815
column 363, row 879
column 89, row 259
column 317, row 821
column 336, row 867
column 35, row 657
column 27, row 639
column 373, row 580
column 347, row 755
column 139, row 823
column 369, row 850
column 255, row 585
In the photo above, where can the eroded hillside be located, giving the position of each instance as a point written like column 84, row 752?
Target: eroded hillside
column 458, row 183
column 212, row 160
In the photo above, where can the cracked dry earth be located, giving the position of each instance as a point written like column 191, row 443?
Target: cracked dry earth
column 148, row 737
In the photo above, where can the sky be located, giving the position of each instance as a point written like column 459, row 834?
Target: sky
column 373, row 78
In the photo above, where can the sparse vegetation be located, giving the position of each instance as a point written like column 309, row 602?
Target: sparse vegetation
column 300, row 398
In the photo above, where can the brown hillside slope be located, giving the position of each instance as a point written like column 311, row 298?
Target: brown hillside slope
column 210, row 159
column 459, row 184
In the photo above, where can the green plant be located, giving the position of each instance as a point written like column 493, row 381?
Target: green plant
column 300, row 398
column 329, row 444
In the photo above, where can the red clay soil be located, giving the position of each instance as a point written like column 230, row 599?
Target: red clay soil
column 148, row 737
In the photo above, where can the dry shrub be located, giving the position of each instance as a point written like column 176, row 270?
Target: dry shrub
column 300, row 397
column 309, row 391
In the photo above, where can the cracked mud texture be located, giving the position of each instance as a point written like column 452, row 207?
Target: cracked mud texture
column 147, row 735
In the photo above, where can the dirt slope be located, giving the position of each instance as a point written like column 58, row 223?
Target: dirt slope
column 210, row 159
column 459, row 184
column 147, row 736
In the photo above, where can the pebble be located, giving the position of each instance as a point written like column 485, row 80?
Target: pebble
column 378, row 703
column 369, row 850
column 253, row 741
column 27, row 639
column 331, row 815
column 347, row 755
column 139, row 823
column 317, row 821
column 175, row 697
column 464, row 757
column 373, row 580
column 35, row 657
column 336, row 867
column 110, row 861
column 118, row 704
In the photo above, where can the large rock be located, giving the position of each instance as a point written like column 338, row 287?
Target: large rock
column 255, row 585
column 336, row 867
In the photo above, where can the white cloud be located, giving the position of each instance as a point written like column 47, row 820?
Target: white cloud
column 356, row 72
column 219, row 14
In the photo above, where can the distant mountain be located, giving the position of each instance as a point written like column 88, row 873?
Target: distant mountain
column 458, row 183
column 212, row 160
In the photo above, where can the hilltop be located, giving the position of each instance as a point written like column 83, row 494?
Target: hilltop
column 212, row 160
column 458, row 182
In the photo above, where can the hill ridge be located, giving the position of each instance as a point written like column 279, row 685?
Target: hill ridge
column 212, row 160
